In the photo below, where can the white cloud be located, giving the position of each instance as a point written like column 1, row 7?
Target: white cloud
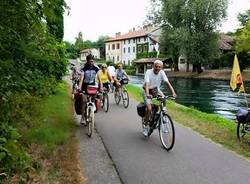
column 98, row 17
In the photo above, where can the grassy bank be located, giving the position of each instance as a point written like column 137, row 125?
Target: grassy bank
column 49, row 139
column 214, row 127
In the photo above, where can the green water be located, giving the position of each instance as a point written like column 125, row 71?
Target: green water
column 209, row 96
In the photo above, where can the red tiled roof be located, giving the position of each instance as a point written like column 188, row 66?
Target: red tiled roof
column 133, row 34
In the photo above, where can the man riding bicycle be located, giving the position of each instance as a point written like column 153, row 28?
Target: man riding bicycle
column 152, row 81
column 88, row 77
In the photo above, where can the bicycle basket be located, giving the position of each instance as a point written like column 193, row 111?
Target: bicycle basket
column 124, row 81
column 141, row 109
column 91, row 90
column 243, row 116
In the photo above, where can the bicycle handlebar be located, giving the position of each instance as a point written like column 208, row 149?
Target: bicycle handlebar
column 159, row 97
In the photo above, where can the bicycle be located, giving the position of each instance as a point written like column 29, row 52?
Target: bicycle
column 104, row 99
column 161, row 120
column 243, row 123
column 90, row 109
column 122, row 93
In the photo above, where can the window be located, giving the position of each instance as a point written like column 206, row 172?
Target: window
column 134, row 40
column 117, row 46
column 133, row 49
column 128, row 41
column 124, row 50
column 145, row 39
column 109, row 47
column 113, row 46
column 139, row 39
column 113, row 59
column 145, row 49
column 117, row 58
column 124, row 41
column 128, row 49
column 139, row 48
column 129, row 62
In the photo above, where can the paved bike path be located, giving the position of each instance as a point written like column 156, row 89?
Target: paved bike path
column 193, row 160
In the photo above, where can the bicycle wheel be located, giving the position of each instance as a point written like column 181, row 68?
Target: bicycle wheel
column 241, row 131
column 105, row 102
column 166, row 132
column 125, row 98
column 117, row 97
column 90, row 121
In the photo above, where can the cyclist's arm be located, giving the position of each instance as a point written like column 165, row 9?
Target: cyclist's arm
column 100, row 82
column 81, row 80
column 124, row 72
column 109, row 77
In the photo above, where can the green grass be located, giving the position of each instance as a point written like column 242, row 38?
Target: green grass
column 214, row 127
column 54, row 123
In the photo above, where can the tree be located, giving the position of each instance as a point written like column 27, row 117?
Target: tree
column 100, row 44
column 188, row 28
column 244, row 17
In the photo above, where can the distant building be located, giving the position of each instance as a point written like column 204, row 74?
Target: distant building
column 124, row 48
column 95, row 52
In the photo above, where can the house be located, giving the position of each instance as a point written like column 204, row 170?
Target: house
column 141, row 65
column 225, row 44
column 95, row 52
column 124, row 48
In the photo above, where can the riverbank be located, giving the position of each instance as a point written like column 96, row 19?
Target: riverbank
column 209, row 74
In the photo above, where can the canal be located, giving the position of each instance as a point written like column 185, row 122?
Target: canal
column 211, row 96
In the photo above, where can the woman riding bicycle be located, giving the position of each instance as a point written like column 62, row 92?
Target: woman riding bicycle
column 104, row 78
column 120, row 74
column 152, row 80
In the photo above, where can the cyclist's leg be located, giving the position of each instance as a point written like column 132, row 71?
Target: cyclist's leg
column 84, row 102
column 148, row 109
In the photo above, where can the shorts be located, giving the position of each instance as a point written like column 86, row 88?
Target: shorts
column 148, row 101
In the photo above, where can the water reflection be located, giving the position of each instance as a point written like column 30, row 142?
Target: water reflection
column 206, row 95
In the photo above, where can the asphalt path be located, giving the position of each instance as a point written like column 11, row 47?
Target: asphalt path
column 193, row 160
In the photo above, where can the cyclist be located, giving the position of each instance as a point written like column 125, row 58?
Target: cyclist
column 120, row 74
column 75, row 77
column 88, row 77
column 104, row 77
column 152, row 81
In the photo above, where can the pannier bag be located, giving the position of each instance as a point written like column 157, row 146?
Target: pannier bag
column 124, row 81
column 78, row 103
column 141, row 109
column 243, row 116
column 91, row 90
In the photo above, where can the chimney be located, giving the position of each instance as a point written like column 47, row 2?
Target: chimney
column 117, row 34
column 133, row 29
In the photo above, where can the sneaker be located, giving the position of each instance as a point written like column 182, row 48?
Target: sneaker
column 145, row 131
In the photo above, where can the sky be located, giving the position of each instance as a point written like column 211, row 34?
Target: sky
column 95, row 18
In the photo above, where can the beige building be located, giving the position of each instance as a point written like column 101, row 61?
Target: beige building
column 113, row 51
column 124, row 48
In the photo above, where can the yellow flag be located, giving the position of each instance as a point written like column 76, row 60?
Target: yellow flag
column 236, row 77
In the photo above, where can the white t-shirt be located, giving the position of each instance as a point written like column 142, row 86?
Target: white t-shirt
column 111, row 70
column 154, row 80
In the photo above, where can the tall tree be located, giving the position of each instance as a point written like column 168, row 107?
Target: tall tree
column 244, row 17
column 53, row 12
column 188, row 28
